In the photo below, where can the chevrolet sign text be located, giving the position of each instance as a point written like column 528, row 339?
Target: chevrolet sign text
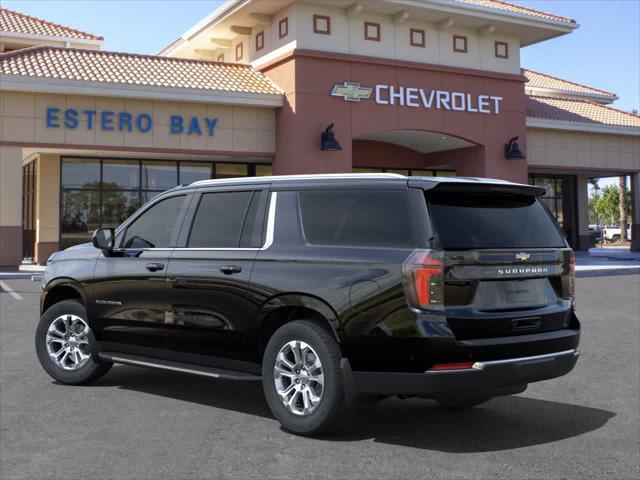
column 436, row 99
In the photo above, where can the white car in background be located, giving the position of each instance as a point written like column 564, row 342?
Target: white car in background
column 612, row 233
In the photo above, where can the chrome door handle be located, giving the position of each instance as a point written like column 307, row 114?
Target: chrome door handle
column 154, row 267
column 230, row 269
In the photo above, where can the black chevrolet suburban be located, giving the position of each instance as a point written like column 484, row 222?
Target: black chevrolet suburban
column 326, row 288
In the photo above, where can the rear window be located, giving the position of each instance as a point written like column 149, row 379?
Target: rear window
column 465, row 221
column 357, row 217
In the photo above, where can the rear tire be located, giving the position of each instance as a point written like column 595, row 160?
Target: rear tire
column 302, row 379
column 63, row 345
column 461, row 402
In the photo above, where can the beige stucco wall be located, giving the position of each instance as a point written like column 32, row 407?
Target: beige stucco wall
column 347, row 36
column 239, row 129
column 558, row 148
column 48, row 200
column 10, row 186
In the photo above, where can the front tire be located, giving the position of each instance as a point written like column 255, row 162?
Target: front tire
column 63, row 345
column 302, row 379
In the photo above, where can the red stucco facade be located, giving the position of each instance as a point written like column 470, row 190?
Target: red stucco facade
column 309, row 77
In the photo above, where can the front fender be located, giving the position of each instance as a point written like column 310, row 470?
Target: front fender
column 61, row 282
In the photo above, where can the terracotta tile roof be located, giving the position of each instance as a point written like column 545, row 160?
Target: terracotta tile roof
column 511, row 8
column 541, row 80
column 135, row 70
column 581, row 111
column 16, row 22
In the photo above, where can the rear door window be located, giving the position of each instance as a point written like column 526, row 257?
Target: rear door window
column 228, row 220
column 464, row 221
column 357, row 217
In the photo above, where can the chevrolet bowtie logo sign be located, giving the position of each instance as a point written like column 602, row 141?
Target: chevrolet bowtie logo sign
column 522, row 256
column 351, row 92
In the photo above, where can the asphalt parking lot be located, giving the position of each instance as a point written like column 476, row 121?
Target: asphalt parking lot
column 136, row 423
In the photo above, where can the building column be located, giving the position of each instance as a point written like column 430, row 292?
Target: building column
column 10, row 206
column 582, row 203
column 47, row 207
column 635, row 212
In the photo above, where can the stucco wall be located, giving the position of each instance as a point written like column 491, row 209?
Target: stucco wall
column 565, row 149
column 347, row 36
column 23, row 119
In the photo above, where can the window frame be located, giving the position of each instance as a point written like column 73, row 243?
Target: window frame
column 464, row 38
column 239, row 51
column 283, row 28
column 121, row 232
column 259, row 41
column 496, row 52
column 378, row 28
column 420, row 32
column 411, row 243
column 316, row 26
column 265, row 216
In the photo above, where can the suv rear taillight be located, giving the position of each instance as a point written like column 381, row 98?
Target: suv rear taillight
column 423, row 273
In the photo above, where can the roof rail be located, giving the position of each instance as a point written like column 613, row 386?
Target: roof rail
column 346, row 176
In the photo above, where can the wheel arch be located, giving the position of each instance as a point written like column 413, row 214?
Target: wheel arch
column 286, row 308
column 61, row 289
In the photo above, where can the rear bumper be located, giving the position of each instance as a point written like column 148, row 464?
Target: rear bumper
column 487, row 376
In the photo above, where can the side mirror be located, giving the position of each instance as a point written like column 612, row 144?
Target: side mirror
column 103, row 239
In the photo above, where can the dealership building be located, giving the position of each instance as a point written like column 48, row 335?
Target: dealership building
column 417, row 87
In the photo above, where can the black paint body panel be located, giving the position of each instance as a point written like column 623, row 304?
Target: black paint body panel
column 191, row 311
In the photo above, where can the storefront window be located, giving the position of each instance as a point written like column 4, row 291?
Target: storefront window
column 410, row 172
column 80, row 173
column 192, row 172
column 121, row 174
column 231, row 170
column 117, row 206
column 159, row 175
column 79, row 215
column 264, row 170
column 105, row 192
column 553, row 197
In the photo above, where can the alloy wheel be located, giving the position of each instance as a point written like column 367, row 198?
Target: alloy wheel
column 299, row 377
column 68, row 342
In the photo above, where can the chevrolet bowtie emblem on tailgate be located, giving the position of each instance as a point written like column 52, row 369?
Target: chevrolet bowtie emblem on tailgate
column 522, row 256
column 351, row 91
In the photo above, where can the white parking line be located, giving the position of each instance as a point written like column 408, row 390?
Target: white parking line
column 10, row 291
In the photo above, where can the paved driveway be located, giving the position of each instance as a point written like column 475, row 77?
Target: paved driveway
column 137, row 423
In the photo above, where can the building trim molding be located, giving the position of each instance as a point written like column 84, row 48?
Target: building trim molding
column 548, row 124
column 21, row 83
column 554, row 92
column 347, row 57
column 117, row 148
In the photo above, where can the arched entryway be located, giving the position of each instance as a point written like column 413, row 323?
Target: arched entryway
column 418, row 152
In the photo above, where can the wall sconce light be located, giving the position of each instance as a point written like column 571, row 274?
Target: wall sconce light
column 328, row 142
column 512, row 150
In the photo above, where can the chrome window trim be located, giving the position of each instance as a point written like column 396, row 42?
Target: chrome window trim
column 271, row 218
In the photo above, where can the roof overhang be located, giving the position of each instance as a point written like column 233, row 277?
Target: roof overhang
column 28, row 39
column 530, row 29
column 548, row 124
column 554, row 92
column 144, row 92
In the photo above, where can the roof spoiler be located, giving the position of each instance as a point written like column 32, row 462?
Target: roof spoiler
column 465, row 185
